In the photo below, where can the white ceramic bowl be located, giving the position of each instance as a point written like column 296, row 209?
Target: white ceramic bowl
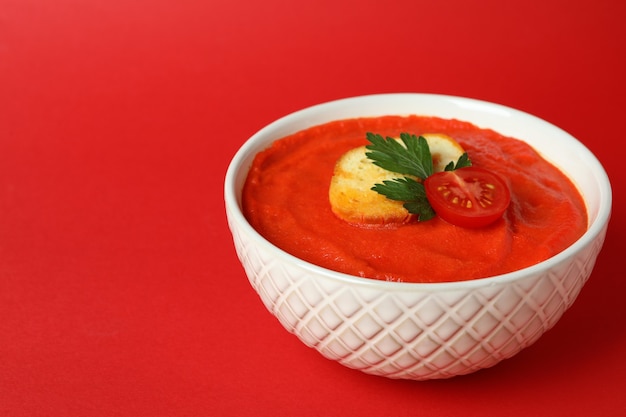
column 411, row 330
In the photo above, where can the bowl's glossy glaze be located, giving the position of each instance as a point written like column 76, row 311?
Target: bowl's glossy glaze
column 421, row 331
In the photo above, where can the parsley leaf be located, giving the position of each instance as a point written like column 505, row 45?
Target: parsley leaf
column 461, row 163
column 411, row 159
column 414, row 159
column 411, row 192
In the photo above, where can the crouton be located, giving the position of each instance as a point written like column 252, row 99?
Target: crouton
column 350, row 193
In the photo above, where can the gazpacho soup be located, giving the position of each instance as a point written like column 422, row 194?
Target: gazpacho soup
column 498, row 208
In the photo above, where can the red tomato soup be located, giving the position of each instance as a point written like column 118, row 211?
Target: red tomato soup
column 285, row 198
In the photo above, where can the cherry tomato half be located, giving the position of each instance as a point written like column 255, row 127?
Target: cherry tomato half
column 468, row 197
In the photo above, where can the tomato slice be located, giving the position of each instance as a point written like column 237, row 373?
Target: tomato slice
column 468, row 197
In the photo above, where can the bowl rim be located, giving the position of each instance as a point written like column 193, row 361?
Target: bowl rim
column 235, row 214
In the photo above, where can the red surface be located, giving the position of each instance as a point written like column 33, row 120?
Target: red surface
column 120, row 292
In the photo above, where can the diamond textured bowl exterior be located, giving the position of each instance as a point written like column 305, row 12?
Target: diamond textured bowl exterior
column 408, row 332
column 412, row 330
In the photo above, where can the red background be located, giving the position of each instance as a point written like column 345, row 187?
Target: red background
column 120, row 291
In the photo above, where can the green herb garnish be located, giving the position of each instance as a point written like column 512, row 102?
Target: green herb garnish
column 461, row 163
column 411, row 157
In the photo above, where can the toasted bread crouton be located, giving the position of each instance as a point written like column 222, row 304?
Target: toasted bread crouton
column 443, row 150
column 352, row 198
